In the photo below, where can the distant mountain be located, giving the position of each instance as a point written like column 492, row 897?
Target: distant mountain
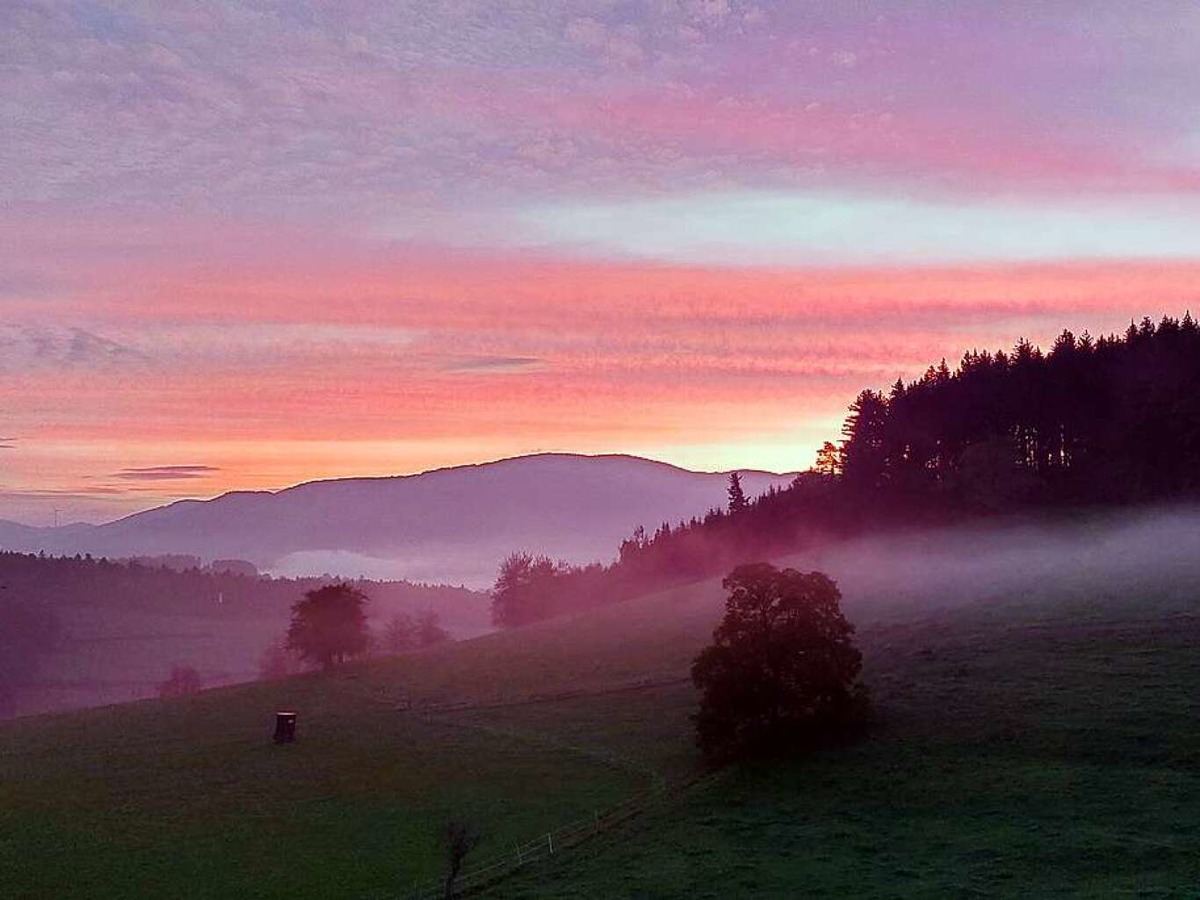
column 449, row 525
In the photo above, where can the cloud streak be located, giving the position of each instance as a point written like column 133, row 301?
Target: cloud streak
column 53, row 347
column 492, row 364
column 166, row 473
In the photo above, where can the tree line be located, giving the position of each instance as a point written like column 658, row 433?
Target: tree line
column 38, row 594
column 1111, row 420
column 84, row 580
column 1093, row 421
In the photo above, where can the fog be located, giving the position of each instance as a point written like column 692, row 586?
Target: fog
column 474, row 567
column 1107, row 555
column 895, row 575
column 115, row 648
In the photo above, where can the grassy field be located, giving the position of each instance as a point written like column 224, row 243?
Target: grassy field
column 191, row 799
column 1027, row 743
column 1022, row 750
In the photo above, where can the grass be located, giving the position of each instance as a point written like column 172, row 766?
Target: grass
column 191, row 798
column 1023, row 749
column 1029, row 744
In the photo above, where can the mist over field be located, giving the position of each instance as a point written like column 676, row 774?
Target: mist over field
column 79, row 632
column 1033, row 566
column 903, row 575
column 115, row 647
column 473, row 566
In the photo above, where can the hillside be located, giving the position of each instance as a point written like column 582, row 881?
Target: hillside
column 450, row 525
column 976, row 778
column 120, row 628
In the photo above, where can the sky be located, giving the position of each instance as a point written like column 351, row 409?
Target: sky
column 245, row 245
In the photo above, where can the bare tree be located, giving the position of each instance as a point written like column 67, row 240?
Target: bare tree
column 184, row 681
column 460, row 837
column 280, row 661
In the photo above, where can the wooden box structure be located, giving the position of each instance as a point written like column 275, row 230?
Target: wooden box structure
column 285, row 727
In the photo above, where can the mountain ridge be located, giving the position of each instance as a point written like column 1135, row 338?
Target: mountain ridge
column 574, row 506
column 463, row 467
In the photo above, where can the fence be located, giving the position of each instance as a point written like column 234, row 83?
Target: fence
column 546, row 845
column 641, row 684
column 542, row 847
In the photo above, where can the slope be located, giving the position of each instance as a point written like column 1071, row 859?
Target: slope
column 1025, row 733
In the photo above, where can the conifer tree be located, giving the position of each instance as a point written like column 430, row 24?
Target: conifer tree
column 737, row 499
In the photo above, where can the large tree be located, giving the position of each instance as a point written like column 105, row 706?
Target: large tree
column 526, row 589
column 781, row 673
column 329, row 624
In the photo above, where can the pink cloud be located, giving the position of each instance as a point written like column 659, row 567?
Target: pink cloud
column 617, row 347
column 820, row 142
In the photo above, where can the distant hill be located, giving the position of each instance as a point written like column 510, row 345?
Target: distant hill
column 116, row 629
column 449, row 525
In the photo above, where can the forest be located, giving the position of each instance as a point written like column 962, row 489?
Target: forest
column 1093, row 422
column 41, row 598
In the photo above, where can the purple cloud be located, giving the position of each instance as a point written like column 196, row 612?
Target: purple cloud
column 166, row 473
column 492, row 364
column 238, row 109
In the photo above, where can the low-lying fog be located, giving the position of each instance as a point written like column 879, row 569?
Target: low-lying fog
column 111, row 652
column 1108, row 550
column 898, row 575
column 475, row 568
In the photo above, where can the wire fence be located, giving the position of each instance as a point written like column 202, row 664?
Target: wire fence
column 548, row 844
column 433, row 706
column 542, row 847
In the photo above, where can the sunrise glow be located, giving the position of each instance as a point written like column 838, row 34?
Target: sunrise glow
column 245, row 247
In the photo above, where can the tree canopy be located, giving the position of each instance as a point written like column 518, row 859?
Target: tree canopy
column 781, row 673
column 405, row 631
column 184, row 681
column 524, row 590
column 329, row 624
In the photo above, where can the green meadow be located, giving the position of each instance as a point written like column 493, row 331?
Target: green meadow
column 1017, row 752
column 1024, row 744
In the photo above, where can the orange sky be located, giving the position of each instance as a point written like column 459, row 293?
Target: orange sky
column 245, row 244
column 351, row 363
